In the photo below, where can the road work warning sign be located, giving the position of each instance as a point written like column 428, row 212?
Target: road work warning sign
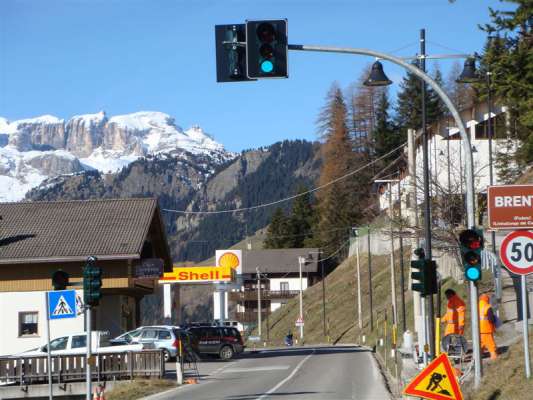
column 510, row 207
column 435, row 382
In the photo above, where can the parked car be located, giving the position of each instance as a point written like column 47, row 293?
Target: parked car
column 163, row 337
column 125, row 338
column 77, row 344
column 220, row 340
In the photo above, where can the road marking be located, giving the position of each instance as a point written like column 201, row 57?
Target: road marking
column 280, row 384
column 256, row 369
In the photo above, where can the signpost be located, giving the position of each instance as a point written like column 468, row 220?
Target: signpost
column 435, row 382
column 510, row 207
column 149, row 268
column 59, row 304
column 516, row 252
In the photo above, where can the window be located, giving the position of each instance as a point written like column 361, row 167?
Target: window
column 79, row 341
column 164, row 335
column 149, row 334
column 59, row 344
column 28, row 323
column 284, row 286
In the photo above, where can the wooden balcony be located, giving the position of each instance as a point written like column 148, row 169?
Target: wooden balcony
column 249, row 316
column 251, row 295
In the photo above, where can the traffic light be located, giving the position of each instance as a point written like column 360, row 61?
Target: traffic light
column 231, row 53
column 60, row 280
column 471, row 243
column 267, row 49
column 426, row 276
column 92, row 282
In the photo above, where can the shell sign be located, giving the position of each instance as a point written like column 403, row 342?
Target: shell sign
column 229, row 258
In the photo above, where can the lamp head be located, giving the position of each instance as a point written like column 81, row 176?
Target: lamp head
column 469, row 74
column 377, row 77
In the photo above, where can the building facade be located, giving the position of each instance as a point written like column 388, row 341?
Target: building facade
column 39, row 238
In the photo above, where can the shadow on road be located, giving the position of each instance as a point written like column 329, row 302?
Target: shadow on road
column 291, row 351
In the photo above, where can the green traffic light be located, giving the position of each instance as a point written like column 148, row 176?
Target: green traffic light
column 267, row 66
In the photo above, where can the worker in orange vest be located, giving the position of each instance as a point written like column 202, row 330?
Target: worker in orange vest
column 487, row 325
column 455, row 314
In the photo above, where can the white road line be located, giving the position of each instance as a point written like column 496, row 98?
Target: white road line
column 280, row 384
column 256, row 369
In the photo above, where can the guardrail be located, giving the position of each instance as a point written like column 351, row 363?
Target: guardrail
column 265, row 295
column 70, row 368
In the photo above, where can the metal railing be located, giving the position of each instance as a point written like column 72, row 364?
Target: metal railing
column 70, row 368
column 251, row 295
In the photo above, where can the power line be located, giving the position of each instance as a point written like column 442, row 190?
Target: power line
column 290, row 197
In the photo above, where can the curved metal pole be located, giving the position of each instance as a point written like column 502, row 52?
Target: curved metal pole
column 470, row 202
column 469, row 169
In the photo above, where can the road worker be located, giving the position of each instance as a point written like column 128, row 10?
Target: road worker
column 455, row 314
column 487, row 326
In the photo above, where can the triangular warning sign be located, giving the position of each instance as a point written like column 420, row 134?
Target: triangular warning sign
column 62, row 307
column 436, row 382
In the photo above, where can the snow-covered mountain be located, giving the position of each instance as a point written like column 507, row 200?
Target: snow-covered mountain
column 32, row 150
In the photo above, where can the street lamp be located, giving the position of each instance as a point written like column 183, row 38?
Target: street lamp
column 377, row 76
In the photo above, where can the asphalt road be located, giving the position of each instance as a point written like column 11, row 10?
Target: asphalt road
column 326, row 372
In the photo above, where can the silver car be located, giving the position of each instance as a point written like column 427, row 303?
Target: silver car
column 159, row 337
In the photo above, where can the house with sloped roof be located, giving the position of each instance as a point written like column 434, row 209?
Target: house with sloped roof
column 38, row 238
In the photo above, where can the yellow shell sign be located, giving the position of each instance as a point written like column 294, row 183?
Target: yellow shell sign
column 198, row 275
column 230, row 258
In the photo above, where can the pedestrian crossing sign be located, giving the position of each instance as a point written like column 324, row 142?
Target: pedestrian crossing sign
column 435, row 382
column 62, row 304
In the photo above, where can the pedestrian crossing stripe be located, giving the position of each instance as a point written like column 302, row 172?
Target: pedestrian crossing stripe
column 436, row 382
column 62, row 307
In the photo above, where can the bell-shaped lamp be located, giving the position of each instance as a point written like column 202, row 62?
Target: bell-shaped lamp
column 469, row 74
column 377, row 77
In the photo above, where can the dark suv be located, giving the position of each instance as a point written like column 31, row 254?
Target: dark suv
column 221, row 340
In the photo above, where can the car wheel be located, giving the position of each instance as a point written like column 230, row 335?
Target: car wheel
column 166, row 355
column 226, row 353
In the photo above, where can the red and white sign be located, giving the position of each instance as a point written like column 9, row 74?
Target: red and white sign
column 510, row 207
column 516, row 252
column 299, row 322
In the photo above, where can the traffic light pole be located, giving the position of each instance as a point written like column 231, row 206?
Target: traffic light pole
column 88, row 376
column 469, row 166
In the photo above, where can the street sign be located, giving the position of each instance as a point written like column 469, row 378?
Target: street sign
column 510, row 207
column 435, row 382
column 62, row 304
column 516, row 252
column 149, row 268
column 299, row 322
column 254, row 338
column 198, row 275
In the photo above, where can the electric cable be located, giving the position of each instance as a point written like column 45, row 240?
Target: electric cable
column 272, row 203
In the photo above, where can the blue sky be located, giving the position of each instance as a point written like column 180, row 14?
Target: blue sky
column 80, row 56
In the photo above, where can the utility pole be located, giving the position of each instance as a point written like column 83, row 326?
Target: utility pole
column 370, row 282
column 427, row 208
column 402, row 278
column 301, row 260
column 359, row 311
column 323, row 296
column 258, row 301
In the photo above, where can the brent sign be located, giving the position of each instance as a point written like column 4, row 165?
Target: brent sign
column 510, row 207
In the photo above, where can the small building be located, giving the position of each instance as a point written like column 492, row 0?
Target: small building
column 279, row 270
column 38, row 238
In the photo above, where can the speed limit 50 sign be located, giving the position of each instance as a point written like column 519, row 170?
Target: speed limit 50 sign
column 516, row 252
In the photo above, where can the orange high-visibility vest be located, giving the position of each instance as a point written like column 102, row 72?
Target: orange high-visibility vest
column 485, row 326
column 455, row 316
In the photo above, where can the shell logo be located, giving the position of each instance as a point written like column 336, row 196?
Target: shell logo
column 229, row 260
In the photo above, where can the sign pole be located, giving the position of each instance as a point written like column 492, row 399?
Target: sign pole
column 525, row 327
column 88, row 376
column 48, row 355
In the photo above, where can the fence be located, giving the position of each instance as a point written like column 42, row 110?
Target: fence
column 71, row 368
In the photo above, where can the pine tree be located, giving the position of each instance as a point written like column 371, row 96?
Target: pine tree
column 301, row 219
column 337, row 203
column 409, row 103
column 277, row 232
column 386, row 137
column 511, row 63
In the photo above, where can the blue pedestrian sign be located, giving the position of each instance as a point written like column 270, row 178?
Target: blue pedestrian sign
column 62, row 304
